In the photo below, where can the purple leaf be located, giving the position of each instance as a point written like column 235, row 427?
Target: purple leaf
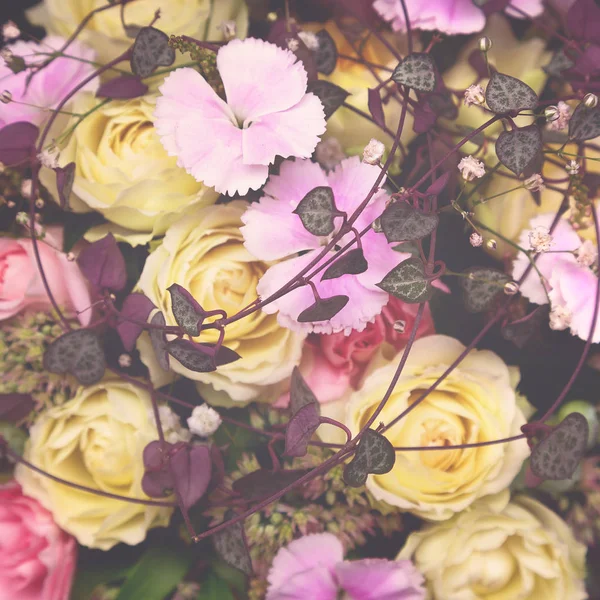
column 477, row 61
column 224, row 356
column 191, row 469
column 122, row 88
column 317, row 211
column 264, row 483
column 103, row 264
column 331, row 96
column 285, row 35
column 65, row 176
column 300, row 430
column 583, row 21
column 351, row 263
column 159, row 341
column 15, row 407
column 558, row 63
column 187, row 312
column 150, row 50
column 587, row 63
column 323, row 309
column 425, row 118
column 375, row 454
column 376, row 107
column 78, row 352
column 416, row 71
column 300, row 392
column 17, row 143
column 490, row 7
column 438, row 186
column 326, row 55
column 137, row 307
column 157, row 481
column 230, row 544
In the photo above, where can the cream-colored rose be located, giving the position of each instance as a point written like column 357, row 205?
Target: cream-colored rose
column 96, row 439
column 500, row 550
column 201, row 19
column 204, row 253
column 476, row 403
column 123, row 171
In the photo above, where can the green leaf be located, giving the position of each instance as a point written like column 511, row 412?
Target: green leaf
column 407, row 281
column 215, row 588
column 156, row 574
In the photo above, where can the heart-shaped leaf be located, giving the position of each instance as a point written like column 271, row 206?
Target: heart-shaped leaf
column 407, row 281
column 519, row 332
column 230, row 544
column 224, row 356
column 376, row 107
column 122, row 88
column 15, row 407
column 65, row 176
column 481, row 286
column 352, row 262
column 374, row 455
column 300, row 392
column 191, row 468
column 300, row 430
column 519, row 149
column 326, row 55
column 151, row 50
column 15, row 63
column 264, row 483
column 137, row 307
column 584, row 123
column 159, row 341
column 506, row 94
column 559, row 453
column 17, row 143
column 187, row 312
column 331, row 96
column 424, row 118
column 192, row 356
column 78, row 352
column 103, row 264
column 401, row 222
column 157, row 481
column 558, row 63
column 323, row 309
column 317, row 210
column 583, row 21
column 416, row 71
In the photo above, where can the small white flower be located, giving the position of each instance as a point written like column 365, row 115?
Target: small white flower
column 562, row 120
column 49, row 158
column 560, row 317
column 474, row 94
column 476, row 239
column 573, row 167
column 10, row 31
column 171, row 425
column 124, row 360
column 329, row 153
column 587, row 254
column 229, row 29
column 471, row 168
column 26, row 188
column 310, row 40
column 535, row 183
column 373, row 152
column 22, row 218
column 204, row 420
column 293, row 44
column 540, row 239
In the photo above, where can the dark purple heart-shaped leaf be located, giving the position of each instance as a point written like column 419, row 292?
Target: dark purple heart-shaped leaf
column 376, row 107
column 584, row 123
column 559, row 453
column 78, row 352
column 424, row 118
column 103, row 264
column 416, row 71
column 481, row 286
column 150, row 50
column 159, row 341
column 522, row 330
column 331, row 96
column 15, row 407
column 438, row 186
column 323, row 309
column 155, row 455
column 558, row 63
column 187, row 312
column 15, row 63
column 137, row 307
column 230, row 544
column 224, row 356
column 588, row 62
column 17, row 143
column 122, row 88
column 520, row 149
column 407, row 281
column 317, row 210
column 191, row 468
column 506, row 94
column 300, row 392
column 300, row 430
column 401, row 222
column 375, row 454
column 352, row 262
column 264, row 483
column 157, row 481
column 326, row 54
column 65, row 176
column 583, row 21
column 195, row 357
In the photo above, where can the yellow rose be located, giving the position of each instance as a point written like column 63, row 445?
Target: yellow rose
column 197, row 18
column 123, row 171
column 204, row 253
column 476, row 403
column 96, row 439
column 500, row 550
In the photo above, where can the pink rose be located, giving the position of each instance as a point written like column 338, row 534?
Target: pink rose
column 21, row 285
column 37, row 559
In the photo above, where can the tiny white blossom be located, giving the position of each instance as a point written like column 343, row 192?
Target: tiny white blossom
column 22, row 218
column 540, row 239
column 471, row 168
column 229, row 29
column 535, row 183
column 49, row 158
column 474, row 94
column 26, row 188
column 204, row 420
column 293, row 44
column 560, row 317
column 310, row 39
column 476, row 239
column 124, row 360
column 171, row 425
column 373, row 152
column 10, row 31
column 329, row 153
column 562, row 120
column 587, row 254
column 573, row 167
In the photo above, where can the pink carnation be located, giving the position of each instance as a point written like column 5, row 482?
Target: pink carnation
column 37, row 559
column 313, row 567
column 230, row 145
column 273, row 232
column 448, row 16
column 48, row 87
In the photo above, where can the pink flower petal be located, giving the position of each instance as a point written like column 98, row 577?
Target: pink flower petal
column 533, row 8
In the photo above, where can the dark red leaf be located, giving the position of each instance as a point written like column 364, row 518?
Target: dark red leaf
column 64, row 183
column 191, row 468
column 583, row 21
column 376, row 107
column 138, row 307
column 15, row 407
column 122, row 88
column 103, row 264
column 425, row 118
column 300, row 430
column 437, row 187
column 17, row 143
column 300, row 392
